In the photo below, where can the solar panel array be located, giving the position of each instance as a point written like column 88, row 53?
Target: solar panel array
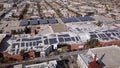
column 86, row 18
column 37, row 22
column 77, row 19
column 52, row 21
column 106, row 35
column 23, row 23
column 71, row 19
column 33, row 42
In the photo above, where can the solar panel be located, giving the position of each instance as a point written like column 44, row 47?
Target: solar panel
column 105, row 39
column 23, row 23
column 53, row 40
column 39, row 42
column 108, row 34
column 44, row 36
column 15, row 44
column 17, row 51
column 30, row 43
column 18, row 40
column 73, row 19
column 101, row 35
column 27, row 45
column 34, row 43
column 61, row 39
column 104, row 36
column 117, row 33
column 86, row 18
column 77, row 38
column 93, row 36
column 64, row 35
column 112, row 30
column 22, row 44
column 113, row 34
column 65, row 20
column 25, row 39
column 81, row 18
column 38, row 38
column 73, row 39
column 46, row 42
column 78, row 29
column 33, row 22
column 43, row 21
column 51, row 21
column 67, row 39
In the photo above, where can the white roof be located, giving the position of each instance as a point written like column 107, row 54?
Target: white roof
column 111, row 58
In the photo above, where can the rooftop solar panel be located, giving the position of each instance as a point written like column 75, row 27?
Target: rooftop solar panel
column 46, row 42
column 73, row 19
column 61, row 39
column 86, row 18
column 67, row 39
column 112, row 30
column 77, row 38
column 53, row 41
column 33, row 22
column 25, row 39
column 18, row 40
column 117, row 33
column 27, row 45
column 34, row 43
column 105, row 39
column 108, row 34
column 51, row 21
column 65, row 20
column 44, row 36
column 39, row 42
column 23, row 23
column 73, row 39
column 22, row 44
column 33, row 39
column 15, row 44
column 30, row 44
column 93, row 36
column 78, row 29
column 102, row 36
column 43, row 21
column 64, row 35
column 17, row 51
column 113, row 34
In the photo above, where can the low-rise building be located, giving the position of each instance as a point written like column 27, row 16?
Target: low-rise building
column 49, row 64
column 108, row 37
column 107, row 57
column 43, row 44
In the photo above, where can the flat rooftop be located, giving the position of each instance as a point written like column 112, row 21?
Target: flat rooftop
column 111, row 58
column 59, row 28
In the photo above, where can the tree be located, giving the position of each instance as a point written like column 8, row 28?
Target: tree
column 99, row 24
column 24, row 54
column 92, row 43
column 27, row 30
column 13, row 32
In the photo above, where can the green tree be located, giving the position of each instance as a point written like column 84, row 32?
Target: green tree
column 92, row 43
column 24, row 54
column 13, row 32
column 27, row 30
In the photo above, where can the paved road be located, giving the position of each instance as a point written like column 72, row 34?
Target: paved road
column 55, row 57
